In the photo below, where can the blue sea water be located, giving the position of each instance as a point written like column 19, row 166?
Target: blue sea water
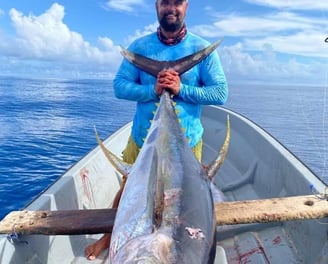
column 47, row 125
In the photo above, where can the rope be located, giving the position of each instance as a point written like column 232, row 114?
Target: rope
column 15, row 237
column 321, row 196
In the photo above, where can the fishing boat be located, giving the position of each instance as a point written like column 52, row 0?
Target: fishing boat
column 257, row 167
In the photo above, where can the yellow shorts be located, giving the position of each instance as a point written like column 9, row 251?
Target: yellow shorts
column 131, row 151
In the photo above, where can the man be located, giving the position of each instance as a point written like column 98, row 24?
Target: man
column 203, row 84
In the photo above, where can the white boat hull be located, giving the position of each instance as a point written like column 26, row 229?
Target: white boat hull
column 257, row 167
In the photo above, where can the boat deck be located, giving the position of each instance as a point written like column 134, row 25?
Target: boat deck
column 270, row 245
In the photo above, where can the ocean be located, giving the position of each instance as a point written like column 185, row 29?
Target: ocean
column 48, row 125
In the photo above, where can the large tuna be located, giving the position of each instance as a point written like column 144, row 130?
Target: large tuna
column 166, row 212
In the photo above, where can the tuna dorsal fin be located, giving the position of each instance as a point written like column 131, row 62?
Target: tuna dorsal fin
column 212, row 168
column 182, row 65
column 122, row 167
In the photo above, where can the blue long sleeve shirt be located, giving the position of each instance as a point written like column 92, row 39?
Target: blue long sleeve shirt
column 203, row 84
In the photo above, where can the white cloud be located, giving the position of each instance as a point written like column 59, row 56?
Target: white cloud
column 280, row 47
column 124, row 5
column 309, row 44
column 48, row 38
column 139, row 33
column 293, row 4
column 241, row 66
column 286, row 32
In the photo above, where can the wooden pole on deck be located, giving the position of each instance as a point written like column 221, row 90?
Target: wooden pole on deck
column 63, row 222
column 95, row 221
column 271, row 210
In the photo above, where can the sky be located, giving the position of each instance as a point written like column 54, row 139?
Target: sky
column 276, row 41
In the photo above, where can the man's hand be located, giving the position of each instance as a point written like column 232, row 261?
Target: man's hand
column 168, row 79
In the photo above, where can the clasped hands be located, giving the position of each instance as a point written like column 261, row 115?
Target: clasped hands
column 167, row 79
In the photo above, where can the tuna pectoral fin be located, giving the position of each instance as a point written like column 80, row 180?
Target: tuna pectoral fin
column 122, row 167
column 182, row 65
column 215, row 165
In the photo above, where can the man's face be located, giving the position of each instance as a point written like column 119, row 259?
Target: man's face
column 171, row 14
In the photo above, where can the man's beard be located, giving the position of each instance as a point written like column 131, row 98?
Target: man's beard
column 170, row 27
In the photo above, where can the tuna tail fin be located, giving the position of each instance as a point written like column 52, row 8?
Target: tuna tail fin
column 122, row 167
column 153, row 67
column 184, row 64
column 212, row 168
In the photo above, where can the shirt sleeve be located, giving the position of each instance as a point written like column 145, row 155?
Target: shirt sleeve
column 213, row 88
column 127, row 84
